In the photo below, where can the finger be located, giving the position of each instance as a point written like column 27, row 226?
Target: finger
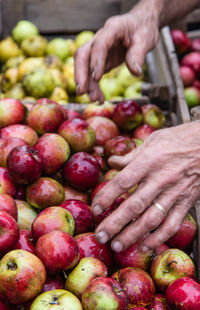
column 94, row 90
column 81, row 67
column 135, row 57
column 119, row 162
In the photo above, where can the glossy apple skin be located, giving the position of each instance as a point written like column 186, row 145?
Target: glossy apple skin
column 82, row 171
column 192, row 60
column 98, row 153
column 56, row 299
column 188, row 76
column 6, row 184
column 185, row 235
column 71, row 193
column 104, row 128
column 153, row 116
column 71, row 114
column 9, row 232
column 80, row 136
column 119, row 146
column 105, row 110
column 44, row 193
column 184, row 294
column 181, row 41
column 110, row 174
column 11, row 112
column 54, row 152
column 52, row 218
column 142, row 132
column 159, row 303
column 138, row 285
column 82, row 215
column 25, row 241
column 22, row 276
column 89, row 247
column 163, row 247
column 24, row 164
column 8, row 204
column 45, row 118
column 169, row 266
column 26, row 215
column 7, row 146
column 20, row 131
column 87, row 270
column 53, row 283
column 104, row 293
column 127, row 115
column 133, row 257
column 58, row 251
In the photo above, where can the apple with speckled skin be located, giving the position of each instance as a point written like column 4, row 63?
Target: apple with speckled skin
column 20, row 131
column 54, row 152
column 22, row 276
column 119, row 146
column 159, row 303
column 44, row 192
column 87, row 270
column 7, row 186
column 52, row 218
column 104, row 293
column 153, row 116
column 142, row 132
column 8, row 204
column 138, row 285
column 169, row 266
column 62, row 249
column 82, row 215
column 9, row 232
column 7, row 146
column 26, row 215
column 11, row 112
column 25, row 241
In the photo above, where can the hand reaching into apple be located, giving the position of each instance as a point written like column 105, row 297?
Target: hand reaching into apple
column 166, row 168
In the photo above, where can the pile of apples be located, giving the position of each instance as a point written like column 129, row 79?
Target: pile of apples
column 189, row 58
column 32, row 68
column 53, row 161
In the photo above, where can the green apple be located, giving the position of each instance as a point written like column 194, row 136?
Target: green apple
column 8, row 49
column 58, row 47
column 83, row 37
column 23, row 30
column 34, row 46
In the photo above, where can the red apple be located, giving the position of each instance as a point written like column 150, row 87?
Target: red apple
column 137, row 284
column 45, row 118
column 11, row 112
column 163, row 247
column 9, row 232
column 81, row 213
column 87, row 270
column 185, row 235
column 134, row 257
column 58, row 251
column 6, row 184
column 54, row 152
column 89, row 247
column 105, row 110
column 82, row 171
column 8, row 205
column 196, row 84
column 104, row 293
column 105, row 129
column 98, row 153
column 72, row 114
column 184, row 294
column 26, row 215
column 142, row 132
column 195, row 45
column 44, row 193
column 169, row 266
column 119, row 146
column 153, row 116
column 52, row 218
column 22, row 276
column 128, row 115
column 110, row 174
column 20, row 192
column 71, row 193
column 20, row 131
column 159, row 303
column 80, row 136
column 187, row 75
column 5, row 306
column 192, row 96
column 192, row 60
column 25, row 241
column 53, row 283
column 7, row 146
column 181, row 41
column 24, row 164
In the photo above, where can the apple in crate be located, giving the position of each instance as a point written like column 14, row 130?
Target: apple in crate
column 192, row 96
column 11, row 112
column 20, row 131
column 104, row 110
column 192, row 60
column 88, row 269
column 70, row 114
column 181, row 41
column 25, row 241
column 58, row 251
column 195, row 45
column 169, row 266
column 98, row 153
column 9, row 232
column 104, row 293
column 6, row 184
column 53, row 283
column 7, row 146
column 22, row 276
column 153, row 116
column 159, row 303
column 26, row 215
column 188, row 75
column 163, row 247
column 71, row 193
column 142, row 132
column 119, row 146
column 8, row 204
column 184, row 294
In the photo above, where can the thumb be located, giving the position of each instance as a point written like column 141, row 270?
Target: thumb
column 135, row 58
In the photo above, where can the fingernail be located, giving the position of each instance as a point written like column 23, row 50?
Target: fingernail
column 138, row 69
column 97, row 210
column 77, row 88
column 145, row 249
column 102, row 237
column 117, row 246
column 94, row 75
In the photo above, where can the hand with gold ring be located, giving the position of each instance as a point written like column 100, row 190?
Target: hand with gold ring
column 166, row 168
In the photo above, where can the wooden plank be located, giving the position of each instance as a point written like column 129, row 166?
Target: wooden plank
column 127, row 5
column 1, row 26
column 70, row 16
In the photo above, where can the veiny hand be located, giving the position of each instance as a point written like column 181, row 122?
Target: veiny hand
column 123, row 38
column 167, row 168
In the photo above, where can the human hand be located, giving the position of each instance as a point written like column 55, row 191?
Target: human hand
column 167, row 168
column 123, row 38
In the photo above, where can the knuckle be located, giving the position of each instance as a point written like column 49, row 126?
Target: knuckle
column 110, row 22
column 123, row 181
column 152, row 221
